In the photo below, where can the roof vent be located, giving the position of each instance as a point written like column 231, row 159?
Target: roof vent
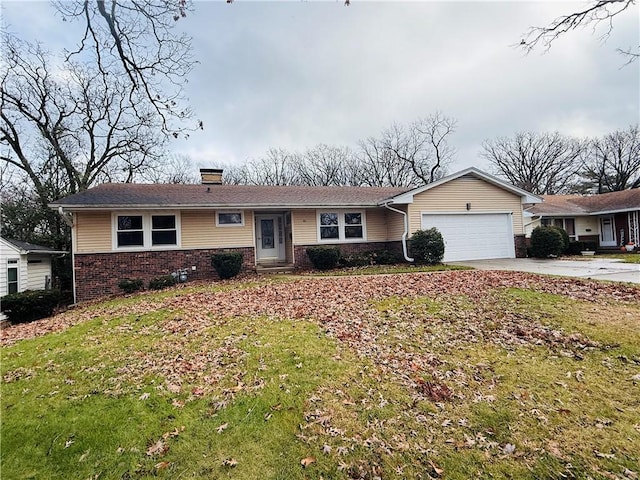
column 211, row 176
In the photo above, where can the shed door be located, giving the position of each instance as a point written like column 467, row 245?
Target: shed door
column 474, row 236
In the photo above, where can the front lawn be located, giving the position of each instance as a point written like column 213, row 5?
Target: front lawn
column 457, row 375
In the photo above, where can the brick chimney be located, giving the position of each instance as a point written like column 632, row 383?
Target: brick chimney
column 211, row 176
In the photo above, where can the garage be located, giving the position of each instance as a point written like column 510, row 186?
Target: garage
column 473, row 236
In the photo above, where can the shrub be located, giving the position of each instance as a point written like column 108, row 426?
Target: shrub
column 427, row 246
column 323, row 257
column 159, row 283
column 30, row 305
column 227, row 264
column 387, row 257
column 130, row 285
column 575, row 248
column 565, row 238
column 546, row 242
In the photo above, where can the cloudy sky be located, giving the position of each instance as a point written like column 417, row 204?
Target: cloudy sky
column 296, row 74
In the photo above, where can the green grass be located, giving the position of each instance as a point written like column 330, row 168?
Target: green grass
column 533, row 385
column 625, row 257
column 389, row 269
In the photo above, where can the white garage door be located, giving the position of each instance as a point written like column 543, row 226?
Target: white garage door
column 473, row 236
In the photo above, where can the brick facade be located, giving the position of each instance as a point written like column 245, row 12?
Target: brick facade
column 521, row 244
column 98, row 274
column 303, row 262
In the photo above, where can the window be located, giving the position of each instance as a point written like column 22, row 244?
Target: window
column 329, row 226
column 340, row 225
column 163, row 230
column 229, row 219
column 146, row 230
column 130, row 232
column 12, row 276
column 568, row 224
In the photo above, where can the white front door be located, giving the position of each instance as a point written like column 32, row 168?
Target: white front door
column 607, row 232
column 270, row 237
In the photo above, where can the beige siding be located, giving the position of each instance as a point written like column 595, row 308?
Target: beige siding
column 453, row 196
column 376, row 221
column 304, row 227
column 37, row 272
column 199, row 230
column 395, row 223
column 587, row 223
column 92, row 232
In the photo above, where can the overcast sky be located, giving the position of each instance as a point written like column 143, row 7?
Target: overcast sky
column 296, row 74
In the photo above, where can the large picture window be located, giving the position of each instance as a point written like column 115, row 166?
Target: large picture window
column 145, row 230
column 340, row 226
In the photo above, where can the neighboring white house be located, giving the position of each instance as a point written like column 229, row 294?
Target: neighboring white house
column 24, row 266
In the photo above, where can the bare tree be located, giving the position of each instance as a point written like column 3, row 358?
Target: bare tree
column 596, row 13
column 543, row 164
column 325, row 165
column 137, row 41
column 277, row 167
column 86, row 125
column 422, row 147
column 380, row 166
column 176, row 168
column 613, row 161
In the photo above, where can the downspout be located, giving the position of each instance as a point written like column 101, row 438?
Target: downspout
column 406, row 231
column 69, row 221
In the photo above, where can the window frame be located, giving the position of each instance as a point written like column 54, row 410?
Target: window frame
column 230, row 212
column 13, row 264
column 551, row 221
column 342, row 212
column 147, row 230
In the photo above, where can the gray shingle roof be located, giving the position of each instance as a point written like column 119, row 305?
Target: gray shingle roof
column 129, row 195
column 31, row 247
column 584, row 205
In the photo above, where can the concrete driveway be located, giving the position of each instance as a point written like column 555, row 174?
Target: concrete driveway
column 596, row 269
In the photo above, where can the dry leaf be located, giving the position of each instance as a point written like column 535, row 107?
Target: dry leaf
column 229, row 462
column 438, row 471
column 158, row 448
column 162, row 465
column 305, row 462
column 222, row 428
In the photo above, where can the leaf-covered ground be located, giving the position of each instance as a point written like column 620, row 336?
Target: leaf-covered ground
column 463, row 374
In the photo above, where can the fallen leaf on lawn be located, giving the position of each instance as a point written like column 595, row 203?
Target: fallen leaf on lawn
column 326, row 449
column 68, row 443
column 222, row 427
column 509, row 448
column 305, row 462
column 177, row 403
column 144, row 396
column 83, row 456
column 157, row 448
column 162, row 465
column 197, row 391
column 229, row 462
column 173, row 388
column 439, row 471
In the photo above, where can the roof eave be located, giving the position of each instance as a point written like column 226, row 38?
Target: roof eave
column 226, row 206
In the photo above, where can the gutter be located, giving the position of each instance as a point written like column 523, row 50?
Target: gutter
column 406, row 230
column 68, row 219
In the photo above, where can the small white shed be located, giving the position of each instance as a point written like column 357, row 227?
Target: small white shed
column 25, row 266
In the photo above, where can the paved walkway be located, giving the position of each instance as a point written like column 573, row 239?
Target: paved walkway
column 596, row 269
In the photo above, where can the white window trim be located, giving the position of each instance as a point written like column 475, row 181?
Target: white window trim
column 341, row 238
column 13, row 263
column 231, row 225
column 146, row 231
column 551, row 221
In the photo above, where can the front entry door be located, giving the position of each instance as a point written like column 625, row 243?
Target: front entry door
column 607, row 232
column 270, row 237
